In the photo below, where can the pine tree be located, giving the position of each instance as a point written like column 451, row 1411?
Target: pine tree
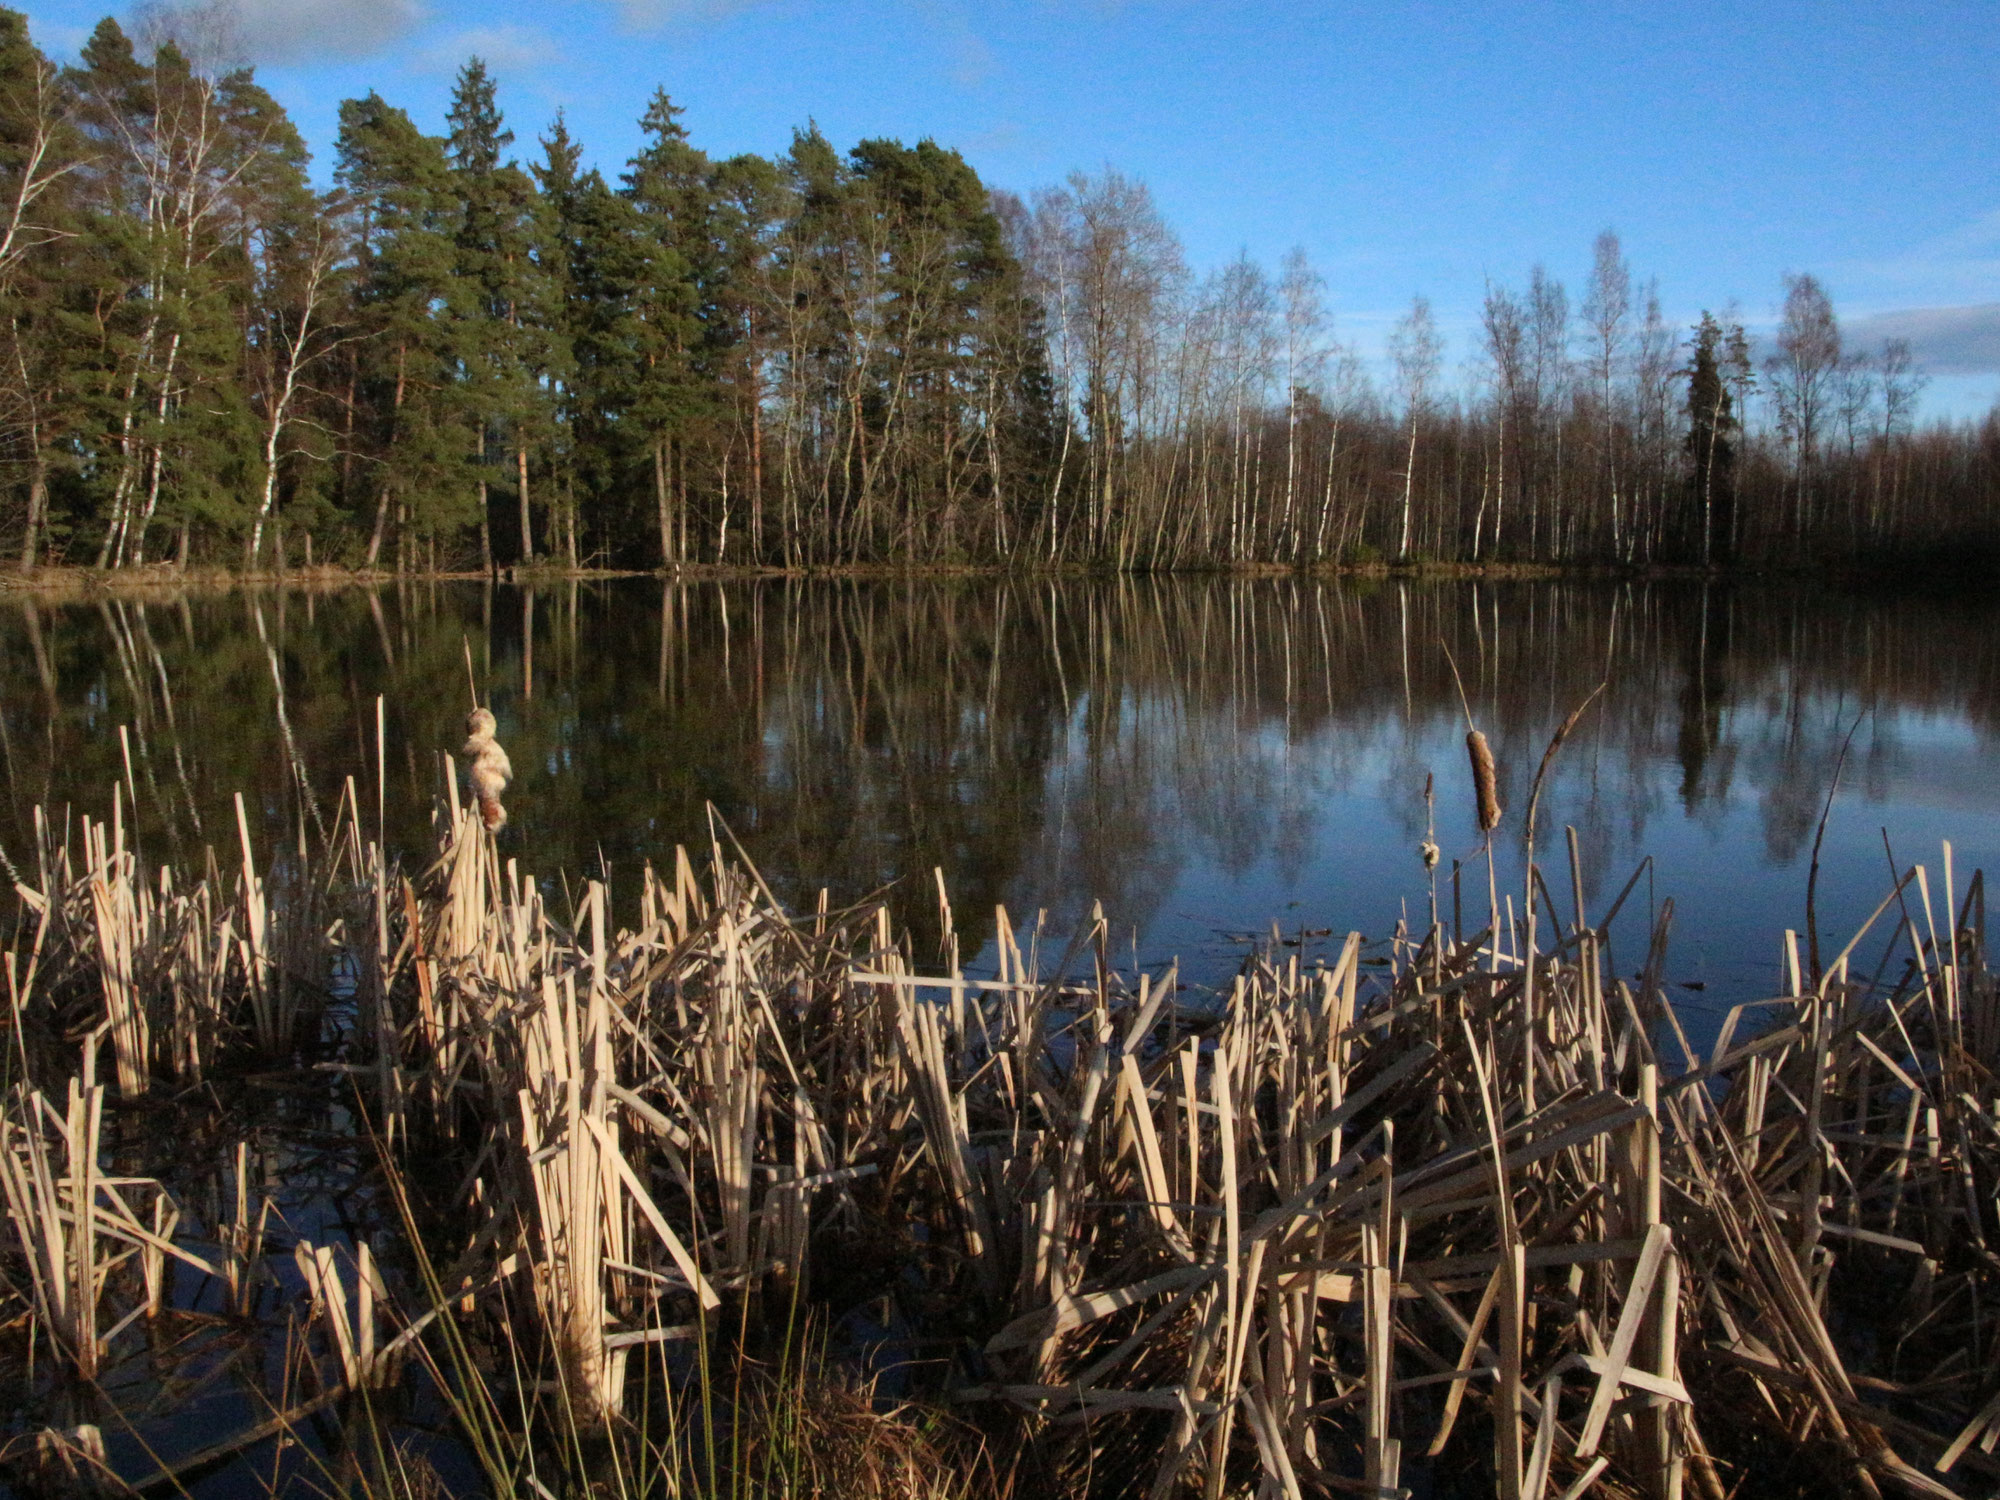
column 498, row 292
column 817, row 392
column 947, row 268
column 407, row 382
column 750, row 204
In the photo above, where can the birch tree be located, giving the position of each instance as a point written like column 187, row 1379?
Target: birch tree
column 1803, row 374
column 1417, row 350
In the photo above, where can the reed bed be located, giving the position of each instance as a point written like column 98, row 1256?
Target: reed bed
column 1467, row 1213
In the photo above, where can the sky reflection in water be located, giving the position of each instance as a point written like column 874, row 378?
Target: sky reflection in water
column 1205, row 757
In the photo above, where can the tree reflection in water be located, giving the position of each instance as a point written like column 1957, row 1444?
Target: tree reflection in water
column 1204, row 756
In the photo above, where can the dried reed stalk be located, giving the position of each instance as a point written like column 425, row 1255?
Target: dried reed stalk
column 74, row 1225
column 1207, row 1247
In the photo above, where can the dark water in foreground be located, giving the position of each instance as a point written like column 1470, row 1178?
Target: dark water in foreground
column 1205, row 757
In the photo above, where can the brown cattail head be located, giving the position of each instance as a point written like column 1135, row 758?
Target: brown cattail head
column 491, row 813
column 1485, row 783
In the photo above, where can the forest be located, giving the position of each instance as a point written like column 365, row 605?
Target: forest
column 450, row 358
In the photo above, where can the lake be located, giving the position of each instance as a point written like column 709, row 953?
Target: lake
column 1209, row 758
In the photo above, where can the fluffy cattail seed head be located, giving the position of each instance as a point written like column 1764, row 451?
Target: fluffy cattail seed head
column 1485, row 782
column 487, row 768
column 1428, row 852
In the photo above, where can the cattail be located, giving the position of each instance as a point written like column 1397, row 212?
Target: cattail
column 487, row 767
column 1484, row 781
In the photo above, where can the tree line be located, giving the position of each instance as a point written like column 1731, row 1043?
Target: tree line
column 447, row 359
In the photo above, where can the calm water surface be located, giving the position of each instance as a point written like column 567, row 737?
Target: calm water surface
column 1204, row 757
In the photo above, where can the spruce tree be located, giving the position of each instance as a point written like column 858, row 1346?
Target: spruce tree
column 186, row 172
column 552, row 308
column 611, row 261
column 41, row 254
column 1712, row 454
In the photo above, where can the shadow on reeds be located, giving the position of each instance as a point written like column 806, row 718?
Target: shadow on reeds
column 738, row 1203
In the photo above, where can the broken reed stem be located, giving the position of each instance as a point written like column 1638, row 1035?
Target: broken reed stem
column 1819, row 837
column 471, row 677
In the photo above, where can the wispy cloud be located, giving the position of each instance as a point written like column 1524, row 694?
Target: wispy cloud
column 505, row 48
column 969, row 58
column 1005, row 136
column 650, row 15
column 1961, row 263
column 1943, row 340
column 284, row 31
column 942, row 27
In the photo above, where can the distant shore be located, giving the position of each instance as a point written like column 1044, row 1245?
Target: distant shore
column 85, row 581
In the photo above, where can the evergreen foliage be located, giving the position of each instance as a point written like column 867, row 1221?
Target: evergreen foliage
column 453, row 360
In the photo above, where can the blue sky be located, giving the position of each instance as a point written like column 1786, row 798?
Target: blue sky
column 1408, row 147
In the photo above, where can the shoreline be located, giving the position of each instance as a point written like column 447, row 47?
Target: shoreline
column 81, row 581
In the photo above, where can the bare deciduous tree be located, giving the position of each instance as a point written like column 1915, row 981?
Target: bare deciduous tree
column 1505, row 338
column 1803, row 373
column 1417, row 350
column 1300, row 288
column 1607, row 308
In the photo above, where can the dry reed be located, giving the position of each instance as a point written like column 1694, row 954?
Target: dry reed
column 1486, row 1213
